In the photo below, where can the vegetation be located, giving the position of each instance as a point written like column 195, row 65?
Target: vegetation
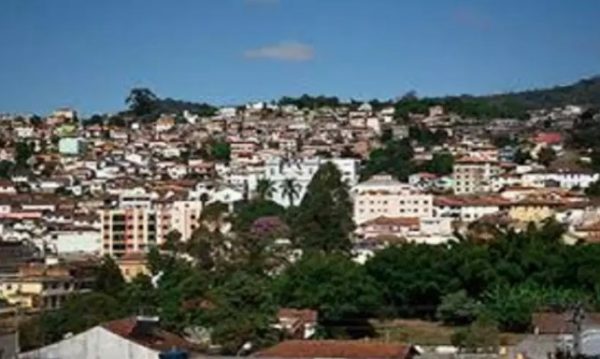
column 442, row 163
column 145, row 104
column 394, row 159
column 324, row 219
column 310, row 102
column 546, row 156
column 233, row 284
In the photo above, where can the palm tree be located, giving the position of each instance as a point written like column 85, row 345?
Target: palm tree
column 290, row 189
column 264, row 189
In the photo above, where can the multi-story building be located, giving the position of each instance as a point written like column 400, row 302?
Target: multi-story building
column 130, row 230
column 474, row 175
column 183, row 216
column 383, row 196
column 43, row 287
column 469, row 208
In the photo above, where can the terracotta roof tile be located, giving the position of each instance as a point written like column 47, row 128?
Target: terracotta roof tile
column 155, row 338
column 336, row 349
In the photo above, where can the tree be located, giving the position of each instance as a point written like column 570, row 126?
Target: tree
column 481, row 335
column 23, row 152
column 521, row 156
column 264, row 189
column 330, row 283
column 172, row 240
column 394, row 158
column 246, row 213
column 94, row 120
column 458, row 308
column 6, row 168
column 141, row 101
column 546, row 156
column 219, row 151
column 242, row 310
column 593, row 190
column 109, row 279
column 78, row 313
column 290, row 189
column 324, row 219
column 441, row 163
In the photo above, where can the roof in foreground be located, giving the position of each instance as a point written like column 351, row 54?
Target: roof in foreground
column 156, row 339
column 336, row 349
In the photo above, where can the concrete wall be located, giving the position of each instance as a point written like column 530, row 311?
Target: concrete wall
column 96, row 343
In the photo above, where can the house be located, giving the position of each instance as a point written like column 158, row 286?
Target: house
column 338, row 349
column 389, row 226
column 71, row 146
column 297, row 323
column 139, row 337
column 469, row 208
column 42, row 287
column 132, row 265
column 7, row 187
column 555, row 331
column 423, row 180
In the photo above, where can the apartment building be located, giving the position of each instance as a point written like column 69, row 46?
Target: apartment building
column 382, row 195
column 133, row 229
column 43, row 287
column 474, row 175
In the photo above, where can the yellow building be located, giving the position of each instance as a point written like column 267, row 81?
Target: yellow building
column 132, row 265
column 42, row 287
column 532, row 211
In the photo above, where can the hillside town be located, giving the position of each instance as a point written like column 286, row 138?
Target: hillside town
column 125, row 200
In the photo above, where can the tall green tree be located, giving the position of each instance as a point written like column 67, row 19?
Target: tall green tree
column 332, row 284
column 395, row 158
column 23, row 152
column 324, row 219
column 109, row 279
column 442, row 163
column 141, row 101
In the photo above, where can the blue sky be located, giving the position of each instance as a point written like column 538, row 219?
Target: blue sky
column 88, row 54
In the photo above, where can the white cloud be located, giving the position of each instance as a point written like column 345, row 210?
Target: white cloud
column 284, row 51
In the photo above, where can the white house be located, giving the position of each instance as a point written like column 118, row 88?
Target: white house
column 277, row 170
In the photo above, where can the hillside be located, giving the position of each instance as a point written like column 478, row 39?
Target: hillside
column 584, row 92
column 509, row 105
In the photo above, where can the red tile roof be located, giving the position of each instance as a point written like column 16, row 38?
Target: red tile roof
column 156, row 339
column 394, row 221
column 550, row 138
column 560, row 323
column 337, row 349
column 471, row 200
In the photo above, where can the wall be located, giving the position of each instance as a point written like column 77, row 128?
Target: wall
column 96, row 343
